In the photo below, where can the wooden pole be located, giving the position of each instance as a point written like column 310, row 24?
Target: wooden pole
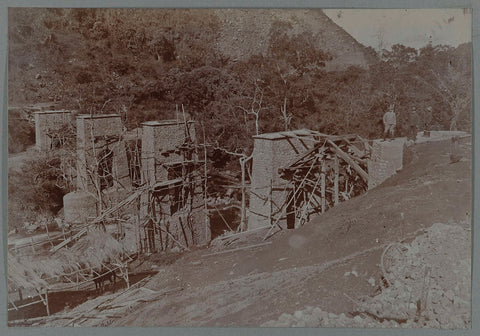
column 13, row 304
column 349, row 160
column 175, row 240
column 287, row 203
column 305, row 209
column 335, row 181
column 205, row 205
column 223, row 218
column 46, row 302
column 137, row 224
column 270, row 203
column 322, row 186
column 48, row 234
column 243, row 224
column 160, row 236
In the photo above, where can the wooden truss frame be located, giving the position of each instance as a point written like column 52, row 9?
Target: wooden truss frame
column 332, row 170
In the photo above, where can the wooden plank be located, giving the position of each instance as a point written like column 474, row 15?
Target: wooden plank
column 349, row 160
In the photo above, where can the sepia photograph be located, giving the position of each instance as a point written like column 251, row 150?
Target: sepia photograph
column 228, row 167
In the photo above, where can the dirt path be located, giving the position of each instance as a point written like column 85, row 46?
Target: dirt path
column 15, row 161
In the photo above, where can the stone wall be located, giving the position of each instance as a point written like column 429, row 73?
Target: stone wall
column 271, row 152
column 79, row 206
column 160, row 144
column 386, row 160
column 165, row 158
column 275, row 150
column 98, row 134
column 46, row 123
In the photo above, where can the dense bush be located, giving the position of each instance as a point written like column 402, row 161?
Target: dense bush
column 154, row 61
column 21, row 132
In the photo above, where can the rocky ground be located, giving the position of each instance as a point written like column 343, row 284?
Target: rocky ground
column 397, row 256
column 426, row 284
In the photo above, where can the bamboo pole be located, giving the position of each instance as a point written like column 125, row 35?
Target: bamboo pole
column 295, row 203
column 205, row 205
column 223, row 218
column 27, row 305
column 13, row 304
column 136, row 226
column 349, row 160
column 46, row 302
column 335, row 181
column 305, row 209
column 322, row 185
column 173, row 238
column 243, row 225
column 287, row 203
column 270, row 203
column 48, row 234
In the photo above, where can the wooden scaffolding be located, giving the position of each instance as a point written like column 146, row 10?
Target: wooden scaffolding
column 333, row 170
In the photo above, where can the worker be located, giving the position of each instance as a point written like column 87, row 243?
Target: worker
column 389, row 121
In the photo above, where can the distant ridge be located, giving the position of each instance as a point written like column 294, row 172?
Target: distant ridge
column 245, row 32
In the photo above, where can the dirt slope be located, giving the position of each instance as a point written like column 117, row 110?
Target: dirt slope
column 318, row 265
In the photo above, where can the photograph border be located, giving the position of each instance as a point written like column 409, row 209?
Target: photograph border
column 140, row 331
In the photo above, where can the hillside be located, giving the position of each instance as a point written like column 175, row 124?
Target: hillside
column 244, row 33
column 47, row 43
column 142, row 63
column 322, row 273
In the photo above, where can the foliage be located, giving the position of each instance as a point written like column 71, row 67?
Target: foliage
column 37, row 188
column 21, row 132
column 142, row 63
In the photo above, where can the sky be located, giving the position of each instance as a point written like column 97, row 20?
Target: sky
column 382, row 28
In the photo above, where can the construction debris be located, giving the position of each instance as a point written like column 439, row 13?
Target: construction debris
column 421, row 294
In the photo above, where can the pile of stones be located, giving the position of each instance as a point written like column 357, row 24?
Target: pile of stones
column 426, row 284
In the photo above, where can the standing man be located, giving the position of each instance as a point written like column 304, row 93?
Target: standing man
column 389, row 121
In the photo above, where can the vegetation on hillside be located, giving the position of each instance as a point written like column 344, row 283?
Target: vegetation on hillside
column 142, row 63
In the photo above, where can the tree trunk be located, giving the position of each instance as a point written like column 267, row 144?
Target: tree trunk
column 243, row 220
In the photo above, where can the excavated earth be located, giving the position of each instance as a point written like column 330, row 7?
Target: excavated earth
column 397, row 256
